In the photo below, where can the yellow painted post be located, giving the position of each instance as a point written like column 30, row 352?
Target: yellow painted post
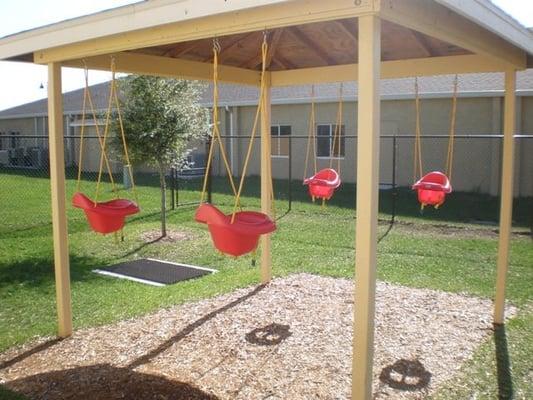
column 506, row 197
column 59, row 216
column 368, row 129
column 266, row 176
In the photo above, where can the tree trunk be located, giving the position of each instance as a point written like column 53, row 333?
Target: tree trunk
column 163, row 186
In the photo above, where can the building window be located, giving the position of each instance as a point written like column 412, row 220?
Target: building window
column 280, row 140
column 324, row 141
column 2, row 140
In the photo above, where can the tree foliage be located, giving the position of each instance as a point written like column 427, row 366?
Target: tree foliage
column 161, row 116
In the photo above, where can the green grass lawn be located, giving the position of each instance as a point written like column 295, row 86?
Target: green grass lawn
column 321, row 241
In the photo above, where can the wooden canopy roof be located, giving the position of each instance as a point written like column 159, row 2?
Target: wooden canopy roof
column 306, row 37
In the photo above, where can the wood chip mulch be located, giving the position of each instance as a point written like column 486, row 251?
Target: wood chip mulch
column 291, row 339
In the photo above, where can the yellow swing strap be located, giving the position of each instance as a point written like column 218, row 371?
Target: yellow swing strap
column 417, row 162
column 336, row 142
column 103, row 142
column 311, row 141
column 264, row 51
column 121, row 126
column 215, row 135
column 87, row 98
column 451, row 140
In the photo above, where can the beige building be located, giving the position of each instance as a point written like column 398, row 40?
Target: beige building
column 477, row 149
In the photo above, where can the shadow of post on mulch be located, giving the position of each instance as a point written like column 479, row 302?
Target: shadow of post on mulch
column 34, row 350
column 191, row 327
column 406, row 375
column 503, row 364
column 104, row 382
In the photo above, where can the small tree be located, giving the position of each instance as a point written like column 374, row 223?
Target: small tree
column 161, row 116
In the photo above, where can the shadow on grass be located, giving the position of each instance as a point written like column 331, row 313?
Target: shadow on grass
column 191, row 327
column 503, row 364
column 104, row 382
column 38, row 272
column 459, row 206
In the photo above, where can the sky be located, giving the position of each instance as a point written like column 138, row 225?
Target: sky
column 20, row 82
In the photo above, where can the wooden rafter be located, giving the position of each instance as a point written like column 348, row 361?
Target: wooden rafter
column 180, row 51
column 343, row 26
column 315, row 47
column 283, row 62
column 422, row 43
column 229, row 45
column 272, row 47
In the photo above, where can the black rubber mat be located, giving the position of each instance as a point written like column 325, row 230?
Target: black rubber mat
column 154, row 272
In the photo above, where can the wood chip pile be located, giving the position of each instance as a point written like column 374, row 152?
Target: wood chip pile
column 289, row 340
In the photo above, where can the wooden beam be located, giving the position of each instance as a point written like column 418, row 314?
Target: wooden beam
column 59, row 211
column 368, row 131
column 430, row 66
column 206, row 25
column 506, row 195
column 439, row 22
column 310, row 44
column 142, row 64
column 266, row 181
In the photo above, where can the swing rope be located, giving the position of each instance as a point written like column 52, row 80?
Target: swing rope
column 87, row 98
column 215, row 135
column 113, row 98
column 122, row 132
column 417, row 163
column 451, row 140
column 336, row 135
column 311, row 138
column 261, row 107
column 418, row 170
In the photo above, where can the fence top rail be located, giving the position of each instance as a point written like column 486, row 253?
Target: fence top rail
column 399, row 136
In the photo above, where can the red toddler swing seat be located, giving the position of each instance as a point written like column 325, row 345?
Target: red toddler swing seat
column 323, row 183
column 105, row 217
column 432, row 189
column 239, row 237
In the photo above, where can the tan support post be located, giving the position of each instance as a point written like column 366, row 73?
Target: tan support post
column 59, row 215
column 368, row 129
column 266, row 177
column 506, row 196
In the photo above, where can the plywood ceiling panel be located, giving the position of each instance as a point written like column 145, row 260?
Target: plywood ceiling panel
column 310, row 45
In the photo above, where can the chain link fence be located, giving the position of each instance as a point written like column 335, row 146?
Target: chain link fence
column 25, row 181
column 25, row 186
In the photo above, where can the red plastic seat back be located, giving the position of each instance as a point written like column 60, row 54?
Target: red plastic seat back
column 105, row 217
column 237, row 238
column 432, row 188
